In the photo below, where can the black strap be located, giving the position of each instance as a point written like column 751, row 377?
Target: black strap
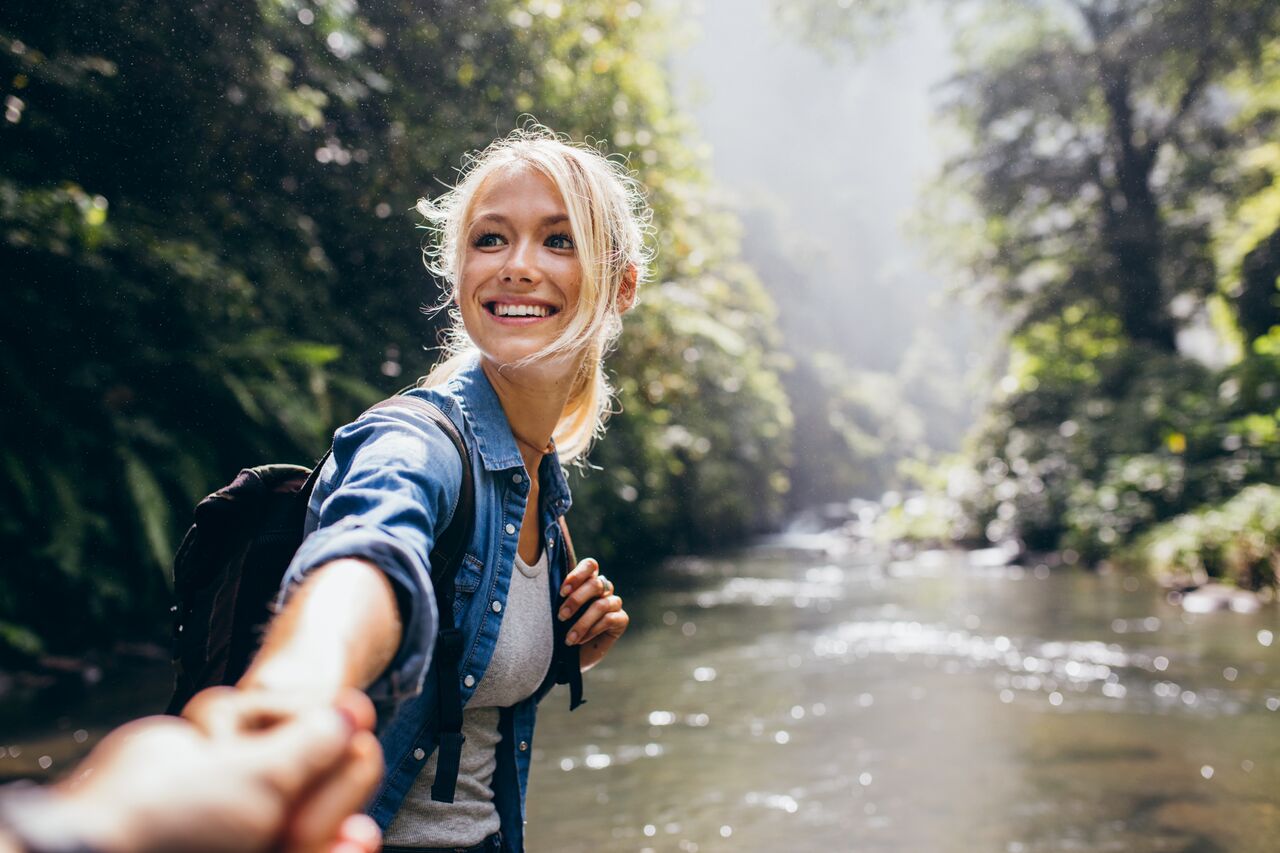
column 446, row 558
column 446, row 555
column 567, row 659
column 449, row 707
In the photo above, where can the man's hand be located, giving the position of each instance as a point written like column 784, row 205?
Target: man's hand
column 295, row 784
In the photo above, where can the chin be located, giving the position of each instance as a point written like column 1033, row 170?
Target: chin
column 512, row 361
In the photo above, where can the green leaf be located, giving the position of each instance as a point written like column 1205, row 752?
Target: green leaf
column 152, row 510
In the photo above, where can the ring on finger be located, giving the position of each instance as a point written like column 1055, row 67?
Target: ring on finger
column 608, row 585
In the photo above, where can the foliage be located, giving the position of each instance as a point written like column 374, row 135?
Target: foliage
column 851, row 428
column 1086, row 464
column 1238, row 541
column 926, row 519
column 205, row 219
column 1115, row 197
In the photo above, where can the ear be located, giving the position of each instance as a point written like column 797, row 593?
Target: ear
column 627, row 289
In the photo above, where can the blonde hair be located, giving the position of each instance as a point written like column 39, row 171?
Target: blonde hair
column 608, row 219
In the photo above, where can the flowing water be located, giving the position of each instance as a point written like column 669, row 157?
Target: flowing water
column 781, row 702
column 795, row 699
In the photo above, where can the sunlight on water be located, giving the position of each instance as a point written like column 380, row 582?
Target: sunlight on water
column 857, row 705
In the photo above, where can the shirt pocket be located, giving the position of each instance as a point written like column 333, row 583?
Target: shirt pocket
column 465, row 583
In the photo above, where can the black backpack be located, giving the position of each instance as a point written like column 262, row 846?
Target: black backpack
column 228, row 570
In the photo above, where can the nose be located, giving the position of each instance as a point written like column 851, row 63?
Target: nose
column 521, row 266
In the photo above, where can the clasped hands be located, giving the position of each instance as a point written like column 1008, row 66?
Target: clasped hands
column 293, row 783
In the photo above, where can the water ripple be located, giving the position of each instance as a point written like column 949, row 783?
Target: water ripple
column 1056, row 668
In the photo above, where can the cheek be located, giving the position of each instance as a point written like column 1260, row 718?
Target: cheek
column 472, row 274
column 570, row 278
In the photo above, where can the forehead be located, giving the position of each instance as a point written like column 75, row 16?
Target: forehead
column 518, row 189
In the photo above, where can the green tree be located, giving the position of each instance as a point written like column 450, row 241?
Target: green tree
column 1093, row 127
column 205, row 222
column 1114, row 187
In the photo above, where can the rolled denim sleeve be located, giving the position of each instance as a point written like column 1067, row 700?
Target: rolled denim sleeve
column 396, row 478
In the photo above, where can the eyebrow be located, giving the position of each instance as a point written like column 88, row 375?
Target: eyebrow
column 553, row 219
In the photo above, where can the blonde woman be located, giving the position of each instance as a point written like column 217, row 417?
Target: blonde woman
column 541, row 245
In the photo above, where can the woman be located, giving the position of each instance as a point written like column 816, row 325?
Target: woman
column 541, row 245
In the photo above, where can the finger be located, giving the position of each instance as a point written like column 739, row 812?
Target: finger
column 613, row 624
column 585, row 569
column 213, row 710
column 140, row 743
column 594, row 587
column 358, row 708
column 359, row 834
column 294, row 755
column 223, row 711
column 321, row 818
column 591, row 617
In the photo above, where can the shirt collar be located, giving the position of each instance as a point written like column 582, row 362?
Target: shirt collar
column 497, row 446
column 483, row 411
column 555, row 489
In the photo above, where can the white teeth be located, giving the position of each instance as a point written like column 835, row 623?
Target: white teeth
column 503, row 309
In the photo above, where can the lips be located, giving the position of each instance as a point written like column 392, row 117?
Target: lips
column 521, row 312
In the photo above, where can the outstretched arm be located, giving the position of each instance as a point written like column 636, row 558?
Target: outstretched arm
column 359, row 608
column 339, row 630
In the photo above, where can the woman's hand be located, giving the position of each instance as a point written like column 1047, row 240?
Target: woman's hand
column 603, row 622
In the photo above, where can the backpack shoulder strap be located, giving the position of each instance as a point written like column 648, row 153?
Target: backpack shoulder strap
column 569, row 553
column 446, row 555
column 567, row 660
column 446, row 558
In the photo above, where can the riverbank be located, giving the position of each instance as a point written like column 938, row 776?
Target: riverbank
column 1231, row 549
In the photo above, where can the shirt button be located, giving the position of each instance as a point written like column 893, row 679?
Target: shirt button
column 419, row 754
column 517, row 478
column 497, row 607
column 470, row 681
column 510, row 528
column 524, row 746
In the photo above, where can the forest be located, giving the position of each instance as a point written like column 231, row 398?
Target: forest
column 207, row 238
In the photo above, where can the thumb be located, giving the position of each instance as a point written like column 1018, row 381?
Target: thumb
column 292, row 755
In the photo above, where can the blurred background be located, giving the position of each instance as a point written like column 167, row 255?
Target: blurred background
column 944, row 478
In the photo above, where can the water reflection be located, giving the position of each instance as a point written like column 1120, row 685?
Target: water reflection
column 857, row 704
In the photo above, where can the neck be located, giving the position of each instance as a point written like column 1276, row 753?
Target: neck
column 533, row 401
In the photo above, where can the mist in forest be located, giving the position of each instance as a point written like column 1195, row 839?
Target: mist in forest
column 824, row 156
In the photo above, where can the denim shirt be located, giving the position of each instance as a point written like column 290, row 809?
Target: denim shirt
column 389, row 488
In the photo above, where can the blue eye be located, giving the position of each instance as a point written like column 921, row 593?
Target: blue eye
column 560, row 241
column 487, row 241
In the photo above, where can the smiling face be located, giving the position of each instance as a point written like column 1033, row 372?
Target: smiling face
column 520, row 275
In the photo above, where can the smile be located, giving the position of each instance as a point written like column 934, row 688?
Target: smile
column 515, row 309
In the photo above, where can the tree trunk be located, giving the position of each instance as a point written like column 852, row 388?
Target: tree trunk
column 1258, row 303
column 1132, row 229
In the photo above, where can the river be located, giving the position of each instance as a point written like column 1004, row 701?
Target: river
column 800, row 699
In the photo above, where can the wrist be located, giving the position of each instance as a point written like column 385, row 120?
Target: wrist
column 340, row 629
column 303, row 678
